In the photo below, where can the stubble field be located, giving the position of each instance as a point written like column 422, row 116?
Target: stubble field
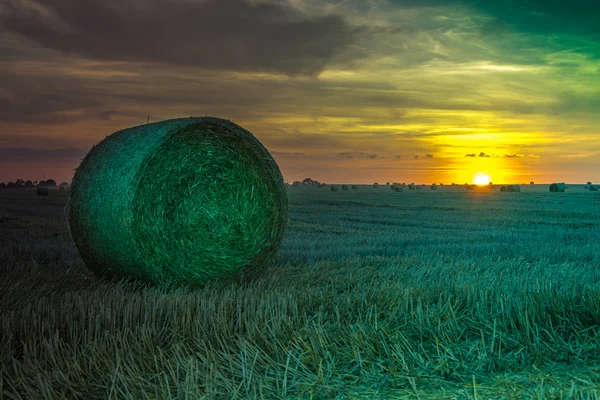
column 447, row 294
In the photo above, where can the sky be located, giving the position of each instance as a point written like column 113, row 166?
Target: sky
column 344, row 91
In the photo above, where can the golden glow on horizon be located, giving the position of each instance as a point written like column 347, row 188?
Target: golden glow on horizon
column 482, row 179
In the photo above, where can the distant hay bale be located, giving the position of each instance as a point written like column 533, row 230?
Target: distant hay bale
column 354, row 187
column 557, row 187
column 398, row 188
column 392, row 187
column 531, row 183
column 181, row 201
column 42, row 191
column 503, row 188
column 387, row 184
column 334, row 188
column 375, row 185
column 433, row 187
column 513, row 188
column 411, row 187
column 344, row 187
column 593, row 188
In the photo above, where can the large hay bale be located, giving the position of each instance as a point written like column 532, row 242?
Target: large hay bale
column 183, row 201
column 557, row 187
column 503, row 188
column 42, row 191
column 433, row 187
column 593, row 188
column 398, row 189
column 375, row 185
column 513, row 188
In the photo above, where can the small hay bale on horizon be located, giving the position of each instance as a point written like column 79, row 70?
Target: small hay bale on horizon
column 375, row 185
column 433, row 187
column 513, row 188
column 181, row 201
column 557, row 187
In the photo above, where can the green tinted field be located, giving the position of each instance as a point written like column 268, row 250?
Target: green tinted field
column 375, row 295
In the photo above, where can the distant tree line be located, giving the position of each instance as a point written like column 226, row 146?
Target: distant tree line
column 20, row 183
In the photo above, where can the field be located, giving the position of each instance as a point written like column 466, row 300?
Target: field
column 447, row 294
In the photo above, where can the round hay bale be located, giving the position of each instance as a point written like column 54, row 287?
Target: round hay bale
column 411, row 187
column 42, row 191
column 433, row 187
column 354, row 187
column 531, row 183
column 334, row 188
column 344, row 187
column 398, row 189
column 593, row 188
column 387, row 184
column 513, row 188
column 183, row 201
column 375, row 185
column 503, row 188
column 557, row 187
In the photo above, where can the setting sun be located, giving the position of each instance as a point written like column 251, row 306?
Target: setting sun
column 481, row 179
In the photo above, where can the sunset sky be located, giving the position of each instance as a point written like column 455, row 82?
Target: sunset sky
column 340, row 91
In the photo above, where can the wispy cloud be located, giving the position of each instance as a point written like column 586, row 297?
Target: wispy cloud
column 358, row 155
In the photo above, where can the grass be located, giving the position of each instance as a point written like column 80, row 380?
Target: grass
column 451, row 294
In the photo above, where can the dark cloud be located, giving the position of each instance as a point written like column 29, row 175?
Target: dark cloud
column 471, row 155
column 358, row 155
column 19, row 154
column 213, row 34
column 482, row 154
column 513, row 155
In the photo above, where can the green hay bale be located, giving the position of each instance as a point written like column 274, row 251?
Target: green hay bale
column 397, row 188
column 503, row 188
column 513, row 188
column 179, row 201
column 557, row 187
column 42, row 191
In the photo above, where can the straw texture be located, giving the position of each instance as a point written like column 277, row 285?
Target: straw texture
column 180, row 201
